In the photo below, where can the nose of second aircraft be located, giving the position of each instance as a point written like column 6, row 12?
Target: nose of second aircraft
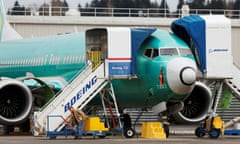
column 188, row 75
column 181, row 75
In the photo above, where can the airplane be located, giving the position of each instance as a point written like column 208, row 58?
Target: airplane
column 33, row 70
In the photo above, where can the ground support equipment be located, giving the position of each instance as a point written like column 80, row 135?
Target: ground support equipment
column 211, row 126
column 90, row 126
column 232, row 132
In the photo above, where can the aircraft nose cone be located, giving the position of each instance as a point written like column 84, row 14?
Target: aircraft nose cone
column 188, row 76
column 181, row 75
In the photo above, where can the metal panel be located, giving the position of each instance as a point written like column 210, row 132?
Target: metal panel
column 218, row 47
column 119, row 51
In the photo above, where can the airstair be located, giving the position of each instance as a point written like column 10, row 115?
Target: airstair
column 77, row 94
column 234, row 83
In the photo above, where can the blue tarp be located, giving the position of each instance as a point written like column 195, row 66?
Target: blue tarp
column 192, row 29
column 138, row 35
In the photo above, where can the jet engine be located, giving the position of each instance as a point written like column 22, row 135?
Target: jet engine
column 196, row 105
column 15, row 101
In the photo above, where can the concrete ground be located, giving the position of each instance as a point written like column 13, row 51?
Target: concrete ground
column 183, row 134
column 173, row 139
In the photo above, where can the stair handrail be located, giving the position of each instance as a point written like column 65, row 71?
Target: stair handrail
column 80, row 72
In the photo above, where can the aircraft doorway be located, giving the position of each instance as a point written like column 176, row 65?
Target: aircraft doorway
column 96, row 44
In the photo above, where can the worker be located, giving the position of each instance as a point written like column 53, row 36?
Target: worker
column 77, row 119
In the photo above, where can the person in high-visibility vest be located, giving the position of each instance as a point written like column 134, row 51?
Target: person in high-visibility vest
column 77, row 118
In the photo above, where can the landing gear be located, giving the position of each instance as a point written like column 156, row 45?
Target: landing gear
column 166, row 129
column 164, row 118
column 7, row 129
column 164, row 110
column 25, row 127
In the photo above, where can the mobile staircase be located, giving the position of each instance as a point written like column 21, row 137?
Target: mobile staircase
column 214, row 125
column 234, row 83
column 234, row 86
column 91, row 82
column 77, row 94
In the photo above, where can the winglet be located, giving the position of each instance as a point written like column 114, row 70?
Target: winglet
column 6, row 31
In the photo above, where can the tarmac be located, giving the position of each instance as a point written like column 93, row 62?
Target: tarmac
column 173, row 139
column 183, row 134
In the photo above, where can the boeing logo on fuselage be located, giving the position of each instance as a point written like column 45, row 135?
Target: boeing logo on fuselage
column 81, row 93
column 218, row 50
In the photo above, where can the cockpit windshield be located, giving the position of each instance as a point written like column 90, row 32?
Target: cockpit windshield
column 152, row 52
column 185, row 52
column 169, row 51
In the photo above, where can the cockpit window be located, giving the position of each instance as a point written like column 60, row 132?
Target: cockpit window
column 155, row 53
column 169, row 51
column 152, row 53
column 148, row 53
column 185, row 52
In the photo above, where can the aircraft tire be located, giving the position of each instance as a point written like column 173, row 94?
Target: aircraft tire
column 166, row 129
column 8, row 129
column 25, row 127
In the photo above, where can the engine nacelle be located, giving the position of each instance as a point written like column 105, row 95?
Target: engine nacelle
column 15, row 101
column 196, row 106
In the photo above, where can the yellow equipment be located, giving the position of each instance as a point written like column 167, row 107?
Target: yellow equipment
column 153, row 130
column 94, row 124
column 213, row 126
